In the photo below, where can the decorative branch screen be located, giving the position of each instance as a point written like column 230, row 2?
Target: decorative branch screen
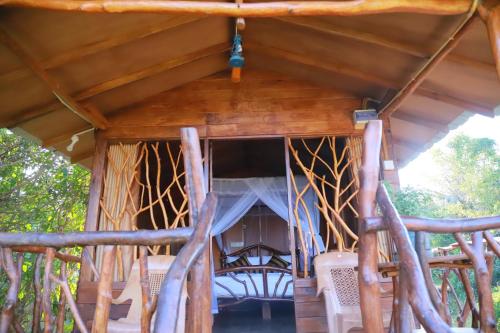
column 331, row 165
column 143, row 189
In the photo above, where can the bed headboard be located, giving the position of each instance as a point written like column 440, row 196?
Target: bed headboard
column 255, row 250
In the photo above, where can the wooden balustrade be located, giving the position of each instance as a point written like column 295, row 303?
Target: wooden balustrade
column 412, row 277
column 47, row 246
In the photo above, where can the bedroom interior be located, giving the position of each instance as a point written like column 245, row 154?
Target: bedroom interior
column 228, row 139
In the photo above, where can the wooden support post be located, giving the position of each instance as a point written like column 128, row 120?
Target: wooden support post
column 199, row 308
column 95, row 190
column 147, row 304
column 491, row 16
column 46, row 302
column 103, row 303
column 369, row 286
column 476, row 254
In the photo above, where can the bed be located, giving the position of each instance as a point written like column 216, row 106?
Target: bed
column 256, row 272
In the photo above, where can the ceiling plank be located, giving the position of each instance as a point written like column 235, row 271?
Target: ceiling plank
column 96, row 47
column 362, row 36
column 296, row 8
column 90, row 114
column 424, row 72
column 463, row 104
column 322, row 64
column 412, row 145
column 152, row 70
column 424, row 122
column 479, row 65
column 121, row 81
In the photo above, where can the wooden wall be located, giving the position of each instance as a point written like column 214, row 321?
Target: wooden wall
column 263, row 104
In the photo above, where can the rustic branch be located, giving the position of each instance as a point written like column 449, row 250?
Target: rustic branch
column 85, row 238
column 297, row 8
column 171, row 290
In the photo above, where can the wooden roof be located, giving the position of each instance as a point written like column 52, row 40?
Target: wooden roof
column 107, row 62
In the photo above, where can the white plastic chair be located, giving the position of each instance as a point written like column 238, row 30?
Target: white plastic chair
column 157, row 269
column 338, row 281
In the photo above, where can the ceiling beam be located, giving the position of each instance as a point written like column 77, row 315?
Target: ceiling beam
column 424, row 71
column 490, row 13
column 123, row 80
column 90, row 114
column 81, row 156
column 267, row 9
column 420, row 121
column 452, row 100
column 472, row 63
column 68, row 56
column 322, row 64
column 362, row 36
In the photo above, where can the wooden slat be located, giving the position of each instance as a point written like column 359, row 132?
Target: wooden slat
column 419, row 120
column 363, row 36
column 323, row 64
column 103, row 87
column 90, row 114
column 101, row 45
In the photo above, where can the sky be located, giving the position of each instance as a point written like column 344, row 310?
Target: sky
column 421, row 172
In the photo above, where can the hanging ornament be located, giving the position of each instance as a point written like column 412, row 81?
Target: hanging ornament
column 236, row 61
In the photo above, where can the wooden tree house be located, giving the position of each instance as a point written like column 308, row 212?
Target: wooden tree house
column 140, row 92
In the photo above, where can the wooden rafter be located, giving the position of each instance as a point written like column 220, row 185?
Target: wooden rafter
column 456, row 101
column 68, row 56
column 424, row 72
column 90, row 114
column 323, row 64
column 267, row 9
column 418, row 120
column 121, row 81
column 362, row 36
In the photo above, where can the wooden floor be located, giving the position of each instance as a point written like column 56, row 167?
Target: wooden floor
column 247, row 317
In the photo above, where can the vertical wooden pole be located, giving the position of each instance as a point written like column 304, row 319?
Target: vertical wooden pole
column 37, row 306
column 290, row 209
column 104, row 296
column 199, row 308
column 46, row 302
column 61, row 308
column 369, row 286
column 13, row 274
column 96, row 187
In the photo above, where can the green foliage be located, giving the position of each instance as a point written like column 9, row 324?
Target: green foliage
column 39, row 191
column 469, row 183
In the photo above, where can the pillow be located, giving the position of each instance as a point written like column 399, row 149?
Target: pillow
column 276, row 261
column 255, row 261
column 287, row 258
column 231, row 259
column 240, row 262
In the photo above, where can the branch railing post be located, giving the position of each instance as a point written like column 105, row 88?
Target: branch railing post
column 369, row 286
column 199, row 308
column 14, row 275
column 104, row 290
column 410, row 267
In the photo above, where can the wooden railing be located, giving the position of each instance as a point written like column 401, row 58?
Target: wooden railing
column 415, row 291
column 193, row 257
